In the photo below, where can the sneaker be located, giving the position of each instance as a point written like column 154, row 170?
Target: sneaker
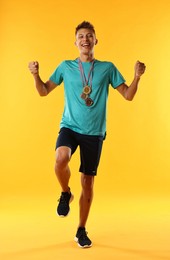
column 63, row 206
column 82, row 239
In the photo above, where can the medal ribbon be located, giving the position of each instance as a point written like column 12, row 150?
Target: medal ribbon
column 84, row 80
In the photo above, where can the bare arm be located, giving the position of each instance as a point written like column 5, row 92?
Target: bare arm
column 43, row 88
column 129, row 92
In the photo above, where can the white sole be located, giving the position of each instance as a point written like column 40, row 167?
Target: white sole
column 86, row 246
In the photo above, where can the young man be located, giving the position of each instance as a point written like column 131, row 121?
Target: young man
column 86, row 81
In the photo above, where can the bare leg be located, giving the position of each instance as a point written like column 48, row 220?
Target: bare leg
column 63, row 155
column 86, row 198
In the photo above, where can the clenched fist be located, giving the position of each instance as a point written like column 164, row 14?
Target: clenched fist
column 139, row 68
column 33, row 67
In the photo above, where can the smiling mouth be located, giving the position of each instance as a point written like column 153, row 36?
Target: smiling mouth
column 85, row 45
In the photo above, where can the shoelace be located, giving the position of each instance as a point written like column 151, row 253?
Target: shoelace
column 63, row 199
column 83, row 235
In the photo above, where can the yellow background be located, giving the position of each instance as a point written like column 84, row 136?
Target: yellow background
column 130, row 217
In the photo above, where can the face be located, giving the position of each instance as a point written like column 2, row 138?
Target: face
column 85, row 41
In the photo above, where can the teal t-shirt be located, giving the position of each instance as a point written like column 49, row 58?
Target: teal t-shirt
column 77, row 115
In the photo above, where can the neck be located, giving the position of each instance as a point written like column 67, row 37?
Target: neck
column 86, row 58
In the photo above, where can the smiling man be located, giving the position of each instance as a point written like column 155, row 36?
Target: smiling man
column 86, row 84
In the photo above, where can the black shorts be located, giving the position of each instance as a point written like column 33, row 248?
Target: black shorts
column 90, row 148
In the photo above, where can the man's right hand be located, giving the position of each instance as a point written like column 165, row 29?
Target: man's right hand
column 34, row 67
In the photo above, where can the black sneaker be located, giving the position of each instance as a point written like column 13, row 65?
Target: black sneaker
column 63, row 206
column 82, row 239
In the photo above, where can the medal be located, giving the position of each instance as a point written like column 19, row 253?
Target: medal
column 87, row 88
column 84, row 96
column 89, row 102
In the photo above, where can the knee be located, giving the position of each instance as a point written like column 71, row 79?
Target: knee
column 87, row 182
column 62, row 159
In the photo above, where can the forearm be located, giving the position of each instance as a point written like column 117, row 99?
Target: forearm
column 132, row 89
column 129, row 92
column 40, row 85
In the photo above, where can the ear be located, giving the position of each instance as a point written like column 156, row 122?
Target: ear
column 96, row 42
column 75, row 43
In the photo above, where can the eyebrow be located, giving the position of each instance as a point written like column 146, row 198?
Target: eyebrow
column 83, row 34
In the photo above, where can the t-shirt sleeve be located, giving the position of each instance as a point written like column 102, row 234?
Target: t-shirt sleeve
column 57, row 76
column 116, row 78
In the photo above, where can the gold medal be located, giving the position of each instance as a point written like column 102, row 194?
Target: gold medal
column 87, row 90
column 89, row 102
